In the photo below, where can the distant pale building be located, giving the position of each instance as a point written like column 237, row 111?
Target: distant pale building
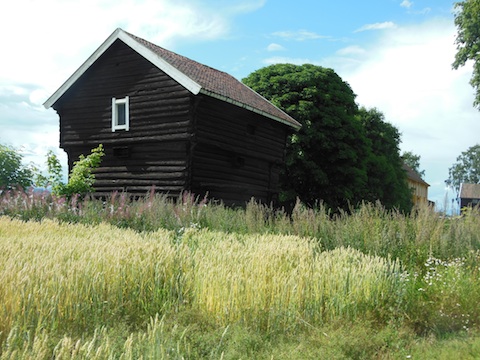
column 418, row 185
column 469, row 195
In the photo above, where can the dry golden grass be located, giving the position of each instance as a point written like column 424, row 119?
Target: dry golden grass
column 65, row 277
column 66, row 290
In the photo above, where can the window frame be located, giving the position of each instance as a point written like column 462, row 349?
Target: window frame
column 115, row 102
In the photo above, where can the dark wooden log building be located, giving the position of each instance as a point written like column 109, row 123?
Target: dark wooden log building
column 170, row 122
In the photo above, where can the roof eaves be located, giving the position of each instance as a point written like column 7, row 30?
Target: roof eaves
column 181, row 78
column 79, row 72
column 293, row 123
column 469, row 191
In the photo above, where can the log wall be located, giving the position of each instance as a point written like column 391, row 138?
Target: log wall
column 237, row 155
column 155, row 151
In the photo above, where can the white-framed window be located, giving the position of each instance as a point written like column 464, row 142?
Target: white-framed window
column 120, row 114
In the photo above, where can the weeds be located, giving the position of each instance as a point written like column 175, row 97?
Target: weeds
column 162, row 277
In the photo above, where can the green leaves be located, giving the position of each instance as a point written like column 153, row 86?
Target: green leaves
column 467, row 20
column 387, row 181
column 325, row 159
column 341, row 155
column 81, row 177
column 13, row 173
column 466, row 169
column 413, row 161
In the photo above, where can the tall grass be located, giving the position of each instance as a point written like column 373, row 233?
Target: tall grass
column 70, row 278
column 370, row 228
column 151, row 278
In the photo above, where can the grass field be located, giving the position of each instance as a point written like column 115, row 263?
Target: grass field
column 158, row 279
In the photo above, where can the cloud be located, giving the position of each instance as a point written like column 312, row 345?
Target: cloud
column 41, row 49
column 299, row 35
column 407, row 75
column 424, row 11
column 351, row 50
column 406, row 4
column 275, row 47
column 376, row 26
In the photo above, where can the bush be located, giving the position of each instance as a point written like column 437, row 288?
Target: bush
column 13, row 174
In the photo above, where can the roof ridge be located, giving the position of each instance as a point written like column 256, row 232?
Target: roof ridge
column 193, row 75
column 209, row 88
column 135, row 37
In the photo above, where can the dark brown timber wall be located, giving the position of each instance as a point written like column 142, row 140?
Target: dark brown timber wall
column 155, row 151
column 238, row 153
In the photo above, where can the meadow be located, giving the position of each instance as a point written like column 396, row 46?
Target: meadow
column 186, row 278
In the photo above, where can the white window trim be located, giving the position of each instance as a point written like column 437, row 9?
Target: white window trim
column 115, row 125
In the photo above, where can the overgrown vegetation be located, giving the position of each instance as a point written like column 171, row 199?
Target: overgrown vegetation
column 185, row 278
column 342, row 155
column 81, row 177
column 13, row 173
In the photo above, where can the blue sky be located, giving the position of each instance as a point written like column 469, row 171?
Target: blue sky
column 395, row 54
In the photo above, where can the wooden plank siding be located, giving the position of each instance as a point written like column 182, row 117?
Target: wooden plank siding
column 156, row 149
column 237, row 154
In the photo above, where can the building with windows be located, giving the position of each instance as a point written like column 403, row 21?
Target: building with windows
column 170, row 122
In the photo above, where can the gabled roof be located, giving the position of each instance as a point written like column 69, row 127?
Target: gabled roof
column 195, row 77
column 469, row 191
column 413, row 176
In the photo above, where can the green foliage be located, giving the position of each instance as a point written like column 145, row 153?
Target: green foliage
column 467, row 20
column 387, row 181
column 413, row 161
column 342, row 155
column 81, row 177
column 466, row 169
column 54, row 178
column 325, row 159
column 13, row 173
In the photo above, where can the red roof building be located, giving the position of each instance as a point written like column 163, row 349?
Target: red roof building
column 170, row 122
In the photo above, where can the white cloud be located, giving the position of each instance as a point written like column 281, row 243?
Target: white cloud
column 407, row 75
column 406, row 4
column 351, row 50
column 299, row 35
column 44, row 42
column 275, row 47
column 376, row 26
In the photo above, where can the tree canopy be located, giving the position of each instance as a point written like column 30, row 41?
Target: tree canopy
column 386, row 179
column 467, row 20
column 341, row 155
column 466, row 169
column 13, row 173
column 325, row 159
column 413, row 161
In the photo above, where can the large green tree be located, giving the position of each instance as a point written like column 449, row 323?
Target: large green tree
column 326, row 158
column 387, row 181
column 13, row 173
column 467, row 20
column 466, row 169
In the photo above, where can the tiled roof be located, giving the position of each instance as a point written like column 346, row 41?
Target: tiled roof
column 195, row 77
column 218, row 83
column 412, row 175
column 470, row 191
